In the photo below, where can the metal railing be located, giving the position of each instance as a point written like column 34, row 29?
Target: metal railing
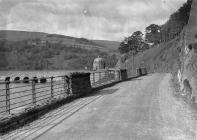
column 18, row 96
column 23, row 94
column 98, row 78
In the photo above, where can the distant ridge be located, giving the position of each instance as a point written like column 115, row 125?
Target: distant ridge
column 13, row 35
column 113, row 45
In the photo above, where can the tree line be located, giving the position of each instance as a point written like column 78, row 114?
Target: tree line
column 156, row 34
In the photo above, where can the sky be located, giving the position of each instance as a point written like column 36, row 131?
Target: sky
column 92, row 19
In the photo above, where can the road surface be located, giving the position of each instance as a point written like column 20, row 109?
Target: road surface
column 139, row 109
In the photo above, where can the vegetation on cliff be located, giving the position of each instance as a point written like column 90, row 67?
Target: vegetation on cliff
column 162, row 44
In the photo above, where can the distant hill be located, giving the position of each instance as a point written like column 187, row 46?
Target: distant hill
column 112, row 45
column 11, row 35
column 19, row 35
column 21, row 50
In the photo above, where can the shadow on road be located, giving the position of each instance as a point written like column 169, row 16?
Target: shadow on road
column 55, row 117
column 102, row 92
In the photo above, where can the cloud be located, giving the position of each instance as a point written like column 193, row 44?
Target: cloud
column 94, row 19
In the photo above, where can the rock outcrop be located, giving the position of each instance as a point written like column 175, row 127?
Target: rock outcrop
column 187, row 74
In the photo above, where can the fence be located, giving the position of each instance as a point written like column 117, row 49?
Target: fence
column 23, row 94
column 98, row 78
column 18, row 96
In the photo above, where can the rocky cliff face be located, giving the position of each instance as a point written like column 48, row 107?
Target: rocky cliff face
column 191, row 28
column 187, row 73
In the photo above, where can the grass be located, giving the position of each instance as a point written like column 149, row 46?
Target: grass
column 162, row 58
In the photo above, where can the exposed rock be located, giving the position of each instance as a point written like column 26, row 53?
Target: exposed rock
column 188, row 72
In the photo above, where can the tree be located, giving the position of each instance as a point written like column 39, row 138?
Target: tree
column 177, row 21
column 153, row 34
column 153, row 28
column 124, row 48
column 132, row 43
column 135, row 41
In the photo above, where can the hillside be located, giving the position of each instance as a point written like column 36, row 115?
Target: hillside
column 22, row 55
column 165, row 57
column 15, row 36
column 10, row 35
column 21, row 50
column 191, row 29
column 112, row 45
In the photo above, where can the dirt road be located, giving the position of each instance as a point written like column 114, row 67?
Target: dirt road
column 139, row 109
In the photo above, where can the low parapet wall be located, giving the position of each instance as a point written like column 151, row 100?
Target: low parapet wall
column 141, row 71
column 123, row 74
column 79, row 83
column 74, row 85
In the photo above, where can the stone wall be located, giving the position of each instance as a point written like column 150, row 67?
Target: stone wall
column 123, row 74
column 141, row 71
column 79, row 83
column 2, row 101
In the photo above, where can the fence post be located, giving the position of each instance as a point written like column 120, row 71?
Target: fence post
column 34, row 92
column 93, row 78
column 65, row 85
column 7, row 84
column 99, row 77
column 117, row 75
column 69, row 83
column 120, row 77
column 106, row 77
column 110, row 77
column 52, row 89
column 114, row 75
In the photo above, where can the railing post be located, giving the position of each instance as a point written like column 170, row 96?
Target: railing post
column 34, row 92
column 68, row 82
column 109, row 73
column 99, row 76
column 106, row 77
column 65, row 85
column 52, row 89
column 119, row 73
column 110, row 76
column 93, row 78
column 114, row 75
column 7, row 84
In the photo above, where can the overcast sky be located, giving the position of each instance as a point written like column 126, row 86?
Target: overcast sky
column 93, row 19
